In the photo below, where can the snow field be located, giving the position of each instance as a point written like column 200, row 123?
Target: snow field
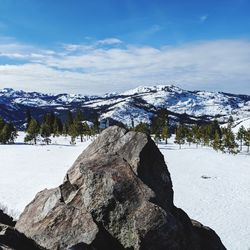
column 211, row 187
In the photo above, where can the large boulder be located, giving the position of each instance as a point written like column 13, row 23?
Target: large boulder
column 117, row 195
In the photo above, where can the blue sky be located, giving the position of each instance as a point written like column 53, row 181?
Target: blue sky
column 97, row 46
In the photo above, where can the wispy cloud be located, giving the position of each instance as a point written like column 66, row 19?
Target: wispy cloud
column 94, row 68
column 109, row 41
column 203, row 18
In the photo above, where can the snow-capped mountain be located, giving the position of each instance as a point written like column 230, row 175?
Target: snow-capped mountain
column 138, row 104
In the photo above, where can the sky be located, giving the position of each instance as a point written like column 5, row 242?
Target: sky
column 97, row 46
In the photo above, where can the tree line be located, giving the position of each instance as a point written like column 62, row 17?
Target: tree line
column 218, row 137
column 8, row 132
column 52, row 125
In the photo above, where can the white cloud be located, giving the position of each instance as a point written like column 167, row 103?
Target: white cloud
column 109, row 41
column 221, row 65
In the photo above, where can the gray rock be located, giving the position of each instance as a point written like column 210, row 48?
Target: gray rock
column 117, row 195
column 10, row 238
column 6, row 219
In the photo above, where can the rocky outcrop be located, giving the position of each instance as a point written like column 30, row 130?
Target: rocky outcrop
column 6, row 219
column 117, row 195
column 10, row 238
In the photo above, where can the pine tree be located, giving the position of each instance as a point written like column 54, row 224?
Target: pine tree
column 196, row 131
column 180, row 135
column 228, row 141
column 96, row 125
column 86, row 129
column 142, row 127
column 49, row 119
column 32, row 131
column 45, row 132
column 165, row 134
column 240, row 136
column 73, row 132
column 2, row 123
column 159, row 121
column 215, row 127
column 28, row 118
column 69, row 121
column 189, row 136
column 13, row 133
column 79, row 129
column 5, row 133
column 79, row 115
column 246, row 139
column 230, row 121
column 57, row 126
column 132, row 122
column 8, row 132
column 216, row 143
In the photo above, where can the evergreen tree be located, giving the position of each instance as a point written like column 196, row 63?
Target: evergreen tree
column 240, row 136
column 79, row 115
column 13, row 133
column 216, row 143
column 180, row 135
column 73, row 132
column 45, row 132
column 69, row 121
column 2, row 123
column 189, row 136
column 246, row 139
column 57, row 126
column 32, row 131
column 79, row 129
column 230, row 121
column 49, row 119
column 28, row 118
column 228, row 141
column 215, row 128
column 96, row 124
column 8, row 132
column 77, row 123
column 157, row 137
column 165, row 134
column 159, row 121
column 5, row 133
column 132, row 122
column 142, row 127
column 86, row 129
column 196, row 131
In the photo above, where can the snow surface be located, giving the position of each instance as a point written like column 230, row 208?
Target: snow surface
column 27, row 169
column 213, row 188
column 245, row 122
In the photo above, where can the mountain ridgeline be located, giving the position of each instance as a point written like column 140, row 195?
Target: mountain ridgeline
column 133, row 106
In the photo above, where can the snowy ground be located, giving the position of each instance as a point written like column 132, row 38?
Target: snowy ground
column 211, row 187
column 27, row 169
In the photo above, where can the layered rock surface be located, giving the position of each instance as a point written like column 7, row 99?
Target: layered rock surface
column 117, row 195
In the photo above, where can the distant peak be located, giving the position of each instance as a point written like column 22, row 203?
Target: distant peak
column 7, row 90
column 154, row 88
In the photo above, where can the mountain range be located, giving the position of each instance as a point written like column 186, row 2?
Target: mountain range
column 137, row 105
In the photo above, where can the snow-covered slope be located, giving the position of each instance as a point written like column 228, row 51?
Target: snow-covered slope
column 138, row 104
column 245, row 122
column 219, row 199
